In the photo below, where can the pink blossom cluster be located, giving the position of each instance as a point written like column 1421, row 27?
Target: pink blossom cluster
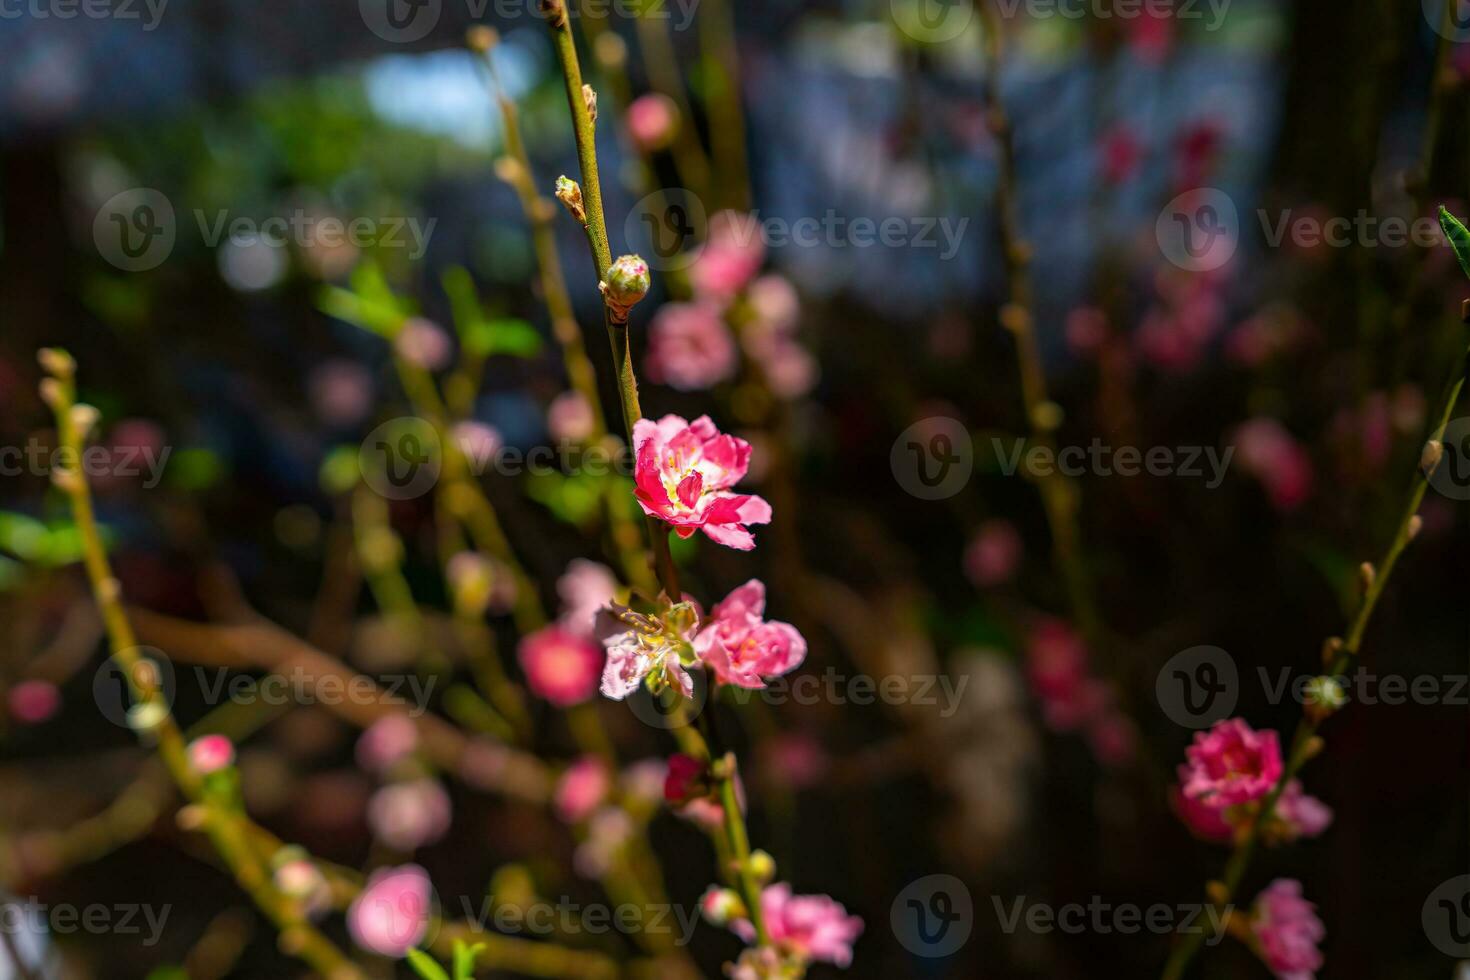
column 1072, row 697
column 1285, row 931
column 802, row 928
column 1227, row 771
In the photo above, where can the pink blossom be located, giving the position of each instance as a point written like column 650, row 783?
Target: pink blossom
column 810, row 927
column 392, row 912
column 409, row 815
column 478, row 442
column 608, row 830
column 569, row 417
column 789, row 369
column 684, row 473
column 1057, row 667
column 689, row 347
column 1112, row 737
column 741, row 647
column 341, row 392
column 585, row 588
column 643, row 781
column 1269, row 452
column 581, row 789
column 653, row 119
column 1231, row 763
column 1204, row 820
column 634, row 655
column 424, row 343
column 1301, row 815
column 798, row 758
column 387, row 741
column 299, row 878
column 730, row 257
column 1287, row 931
column 1150, row 37
column 993, row 553
column 211, row 753
column 560, row 665
column 32, row 702
column 775, row 302
column 684, row 779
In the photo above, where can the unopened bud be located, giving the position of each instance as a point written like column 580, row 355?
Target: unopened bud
column 720, row 905
column 569, row 193
column 84, row 418
column 761, row 866
column 1323, row 696
column 555, row 12
column 589, row 98
column 627, row 283
column 1366, row 574
column 57, row 362
column 1429, row 459
column 1331, row 647
column 1416, row 524
column 653, row 121
column 52, row 393
column 481, row 38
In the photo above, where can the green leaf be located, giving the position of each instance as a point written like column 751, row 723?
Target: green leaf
column 22, row 536
column 502, row 335
column 464, row 302
column 1458, row 236
column 464, row 959
column 369, row 303
column 424, row 966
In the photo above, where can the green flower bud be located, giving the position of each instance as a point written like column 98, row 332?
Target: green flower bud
column 627, row 283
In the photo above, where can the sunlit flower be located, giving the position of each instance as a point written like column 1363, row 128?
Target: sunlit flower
column 560, row 665
column 655, row 650
column 741, row 647
column 1287, row 931
column 684, row 473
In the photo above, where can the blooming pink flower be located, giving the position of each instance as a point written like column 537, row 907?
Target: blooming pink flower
column 585, row 588
column 684, row 779
column 1287, row 931
column 1204, row 820
column 741, row 647
column 993, row 553
column 341, row 392
column 581, row 789
column 569, row 417
column 1231, row 763
column 634, row 655
column 811, row 927
column 211, row 753
column 391, row 913
column 32, row 702
column 385, row 742
column 1267, row 450
column 409, row 815
column 730, row 257
column 560, row 665
column 684, row 473
column 689, row 347
column 653, row 119
column 424, row 343
column 1301, row 815
column 1057, row 667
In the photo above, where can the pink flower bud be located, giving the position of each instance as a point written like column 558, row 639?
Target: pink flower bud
column 211, row 753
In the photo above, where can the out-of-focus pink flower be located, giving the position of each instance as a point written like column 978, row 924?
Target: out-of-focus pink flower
column 730, row 257
column 424, row 343
column 775, row 302
column 478, row 583
column 608, row 830
column 1287, row 931
column 560, row 665
column 211, row 753
column 1301, row 815
column 684, row 779
column 1056, row 665
column 644, row 780
column 1198, row 147
column 1268, row 451
column 993, row 553
column 478, row 442
column 585, row 588
column 684, row 473
column 798, row 758
column 32, row 702
column 1204, row 820
column 581, row 789
column 1112, row 737
column 653, row 121
column 1231, row 763
column 341, row 392
column 1119, row 153
column 1087, row 328
column 301, row 879
column 409, row 815
column 741, row 647
column 809, row 927
column 689, row 347
column 391, row 914
column 386, row 742
column 789, row 369
column 569, row 417
column 1150, row 37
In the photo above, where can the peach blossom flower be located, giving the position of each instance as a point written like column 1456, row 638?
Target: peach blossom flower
column 387, row 741
column 34, row 701
column 993, row 553
column 1287, row 931
column 424, row 343
column 684, row 473
column 1268, row 451
column 560, row 665
column 730, row 257
column 569, row 417
column 653, row 120
column 409, row 815
column 581, row 789
column 584, row 588
column 808, row 927
column 392, row 912
column 741, row 647
column 1231, row 763
column 211, row 753
column 689, row 347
